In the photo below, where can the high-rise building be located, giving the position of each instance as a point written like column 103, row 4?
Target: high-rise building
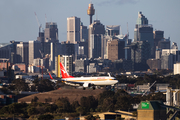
column 174, row 52
column 22, row 53
column 127, row 42
column 174, row 46
column 83, row 33
column 90, row 11
column 115, row 49
column 144, row 32
column 67, row 62
column 34, row 51
column 140, row 53
column 154, row 64
column 51, row 32
column 158, row 36
column 73, row 29
column 5, row 51
column 96, row 36
column 112, row 30
column 167, row 61
column 176, row 68
column 164, row 43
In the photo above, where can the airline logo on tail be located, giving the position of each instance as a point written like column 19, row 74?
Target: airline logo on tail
column 50, row 76
column 64, row 72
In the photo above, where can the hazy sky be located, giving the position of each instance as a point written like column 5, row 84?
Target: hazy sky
column 18, row 21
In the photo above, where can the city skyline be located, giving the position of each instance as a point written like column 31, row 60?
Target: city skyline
column 18, row 21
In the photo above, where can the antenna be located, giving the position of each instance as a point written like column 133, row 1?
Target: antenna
column 127, row 29
column 120, row 30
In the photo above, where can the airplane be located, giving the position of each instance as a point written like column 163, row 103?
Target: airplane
column 86, row 82
column 51, row 79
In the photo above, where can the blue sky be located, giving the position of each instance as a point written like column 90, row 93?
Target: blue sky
column 18, row 21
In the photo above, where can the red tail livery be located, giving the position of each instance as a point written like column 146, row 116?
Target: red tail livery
column 50, row 76
column 64, row 72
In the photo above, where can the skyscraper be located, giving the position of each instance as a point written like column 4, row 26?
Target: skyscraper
column 51, row 32
column 164, row 43
column 112, row 30
column 115, row 49
column 83, row 33
column 34, row 51
column 22, row 53
column 144, row 32
column 96, row 36
column 140, row 53
column 73, row 29
column 158, row 36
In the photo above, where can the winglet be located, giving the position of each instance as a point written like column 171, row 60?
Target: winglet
column 64, row 72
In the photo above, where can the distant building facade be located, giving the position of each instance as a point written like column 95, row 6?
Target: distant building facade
column 73, row 29
column 34, row 51
column 96, row 35
column 51, row 32
column 144, row 32
column 115, row 50
column 176, row 68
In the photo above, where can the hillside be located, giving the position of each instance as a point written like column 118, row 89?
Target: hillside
column 72, row 94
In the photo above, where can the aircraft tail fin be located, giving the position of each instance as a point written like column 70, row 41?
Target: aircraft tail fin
column 109, row 74
column 50, row 76
column 64, row 72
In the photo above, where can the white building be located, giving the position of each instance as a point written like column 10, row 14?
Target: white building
column 34, row 51
column 176, row 68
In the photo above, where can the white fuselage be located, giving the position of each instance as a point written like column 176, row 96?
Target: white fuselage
column 97, row 81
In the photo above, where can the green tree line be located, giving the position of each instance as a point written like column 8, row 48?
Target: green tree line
column 106, row 101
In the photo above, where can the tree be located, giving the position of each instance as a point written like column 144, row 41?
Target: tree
column 45, row 85
column 20, row 85
column 48, row 100
column 81, row 110
column 123, row 102
column 31, row 111
column 35, row 99
column 90, row 117
column 108, row 104
column 63, row 105
column 46, row 117
column 75, row 105
column 89, row 103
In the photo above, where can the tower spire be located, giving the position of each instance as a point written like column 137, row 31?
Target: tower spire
column 90, row 11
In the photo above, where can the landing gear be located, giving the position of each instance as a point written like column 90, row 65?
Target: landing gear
column 93, row 88
column 84, row 88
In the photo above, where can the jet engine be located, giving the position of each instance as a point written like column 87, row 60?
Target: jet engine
column 86, row 85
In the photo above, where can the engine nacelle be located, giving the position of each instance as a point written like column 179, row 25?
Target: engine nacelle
column 86, row 85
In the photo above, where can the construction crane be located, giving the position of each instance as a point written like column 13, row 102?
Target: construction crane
column 148, row 88
column 38, row 22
